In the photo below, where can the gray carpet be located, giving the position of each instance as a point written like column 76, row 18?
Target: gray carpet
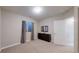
column 38, row 46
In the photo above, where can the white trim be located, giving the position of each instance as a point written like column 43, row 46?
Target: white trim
column 63, row 45
column 10, row 46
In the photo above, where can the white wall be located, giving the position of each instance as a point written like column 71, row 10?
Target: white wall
column 0, row 28
column 69, row 29
column 11, row 26
column 50, row 22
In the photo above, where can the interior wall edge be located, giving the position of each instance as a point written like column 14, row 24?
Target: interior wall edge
column 10, row 46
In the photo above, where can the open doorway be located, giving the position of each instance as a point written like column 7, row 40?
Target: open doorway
column 27, row 31
column 30, row 31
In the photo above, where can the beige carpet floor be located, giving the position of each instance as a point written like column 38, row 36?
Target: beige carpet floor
column 38, row 46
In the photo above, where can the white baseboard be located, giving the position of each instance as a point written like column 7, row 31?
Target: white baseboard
column 10, row 46
column 63, row 45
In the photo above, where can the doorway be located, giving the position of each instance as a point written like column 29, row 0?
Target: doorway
column 27, row 31
column 30, row 31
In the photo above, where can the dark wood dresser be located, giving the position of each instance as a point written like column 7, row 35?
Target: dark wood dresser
column 44, row 36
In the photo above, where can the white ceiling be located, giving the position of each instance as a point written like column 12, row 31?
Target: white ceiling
column 48, row 11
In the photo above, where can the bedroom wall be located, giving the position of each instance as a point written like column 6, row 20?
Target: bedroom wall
column 50, row 22
column 11, row 26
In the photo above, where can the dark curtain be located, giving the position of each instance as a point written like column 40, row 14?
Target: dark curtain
column 32, row 35
column 23, row 36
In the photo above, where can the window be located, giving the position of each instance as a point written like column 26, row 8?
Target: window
column 29, row 25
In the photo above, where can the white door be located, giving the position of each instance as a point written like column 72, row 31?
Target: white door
column 28, row 36
column 64, row 32
column 59, row 32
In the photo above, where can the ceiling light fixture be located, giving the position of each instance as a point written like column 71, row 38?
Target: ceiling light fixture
column 37, row 10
